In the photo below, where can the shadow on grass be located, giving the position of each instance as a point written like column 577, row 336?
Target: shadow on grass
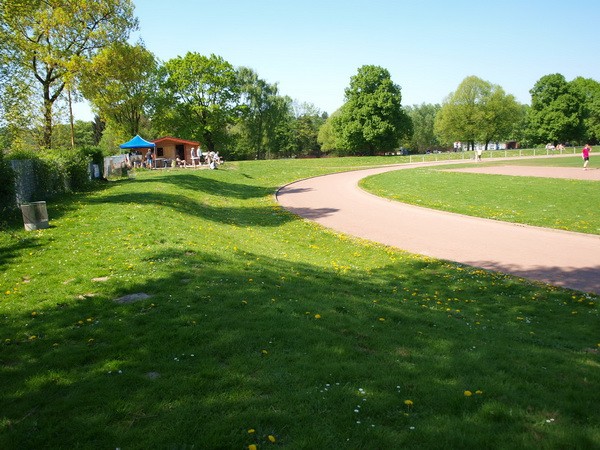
column 585, row 279
column 198, row 183
column 218, row 350
column 241, row 216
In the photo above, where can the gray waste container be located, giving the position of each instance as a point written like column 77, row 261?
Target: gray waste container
column 35, row 216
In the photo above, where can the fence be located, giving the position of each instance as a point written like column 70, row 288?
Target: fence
column 490, row 154
column 27, row 186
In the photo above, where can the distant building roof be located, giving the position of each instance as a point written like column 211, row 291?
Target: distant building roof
column 176, row 140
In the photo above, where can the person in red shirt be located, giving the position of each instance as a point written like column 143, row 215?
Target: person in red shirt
column 585, row 154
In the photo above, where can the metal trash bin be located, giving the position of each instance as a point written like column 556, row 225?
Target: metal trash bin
column 35, row 216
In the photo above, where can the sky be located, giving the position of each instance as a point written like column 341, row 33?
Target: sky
column 312, row 48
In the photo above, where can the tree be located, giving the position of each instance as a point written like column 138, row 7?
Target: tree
column 589, row 91
column 197, row 98
column 478, row 111
column 423, row 119
column 326, row 137
column 261, row 113
column 119, row 85
column 52, row 41
column 556, row 113
column 372, row 118
column 305, row 127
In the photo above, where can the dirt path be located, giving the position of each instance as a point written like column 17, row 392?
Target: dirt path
column 557, row 257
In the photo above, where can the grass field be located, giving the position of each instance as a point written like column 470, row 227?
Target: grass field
column 261, row 329
column 553, row 203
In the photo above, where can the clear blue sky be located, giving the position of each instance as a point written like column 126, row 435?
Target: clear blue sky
column 312, row 48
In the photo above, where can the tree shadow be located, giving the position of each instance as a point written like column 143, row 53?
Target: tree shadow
column 216, row 349
column 198, row 183
column 241, row 216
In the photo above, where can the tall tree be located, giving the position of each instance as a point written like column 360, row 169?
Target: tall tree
column 326, row 136
column 119, row 85
column 198, row 98
column 478, row 111
column 53, row 40
column 556, row 113
column 372, row 118
column 261, row 112
column 423, row 119
column 589, row 90
column 305, row 127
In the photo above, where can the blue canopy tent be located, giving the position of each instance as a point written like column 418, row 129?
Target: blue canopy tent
column 138, row 142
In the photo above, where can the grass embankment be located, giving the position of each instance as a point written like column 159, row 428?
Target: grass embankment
column 262, row 327
column 546, row 202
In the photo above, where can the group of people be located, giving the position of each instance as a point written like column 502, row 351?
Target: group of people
column 135, row 159
column 550, row 147
column 211, row 159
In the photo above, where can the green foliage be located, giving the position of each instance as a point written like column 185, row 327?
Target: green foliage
column 119, row 85
column 478, row 111
column 372, row 119
column 326, row 137
column 7, row 186
column 556, row 114
column 197, row 98
column 52, row 42
column 423, row 137
column 264, row 113
column 589, row 91
column 59, row 170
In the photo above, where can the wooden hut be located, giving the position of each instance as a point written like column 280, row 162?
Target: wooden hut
column 169, row 148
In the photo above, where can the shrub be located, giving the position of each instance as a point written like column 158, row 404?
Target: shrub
column 7, row 187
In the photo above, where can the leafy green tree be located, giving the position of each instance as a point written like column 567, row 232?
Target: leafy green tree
column 305, row 126
column 261, row 113
column 372, row 118
column 589, row 91
column 198, row 97
column 556, row 113
column 423, row 119
column 478, row 111
column 119, row 85
column 52, row 41
column 326, row 136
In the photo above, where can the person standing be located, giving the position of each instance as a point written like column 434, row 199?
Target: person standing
column 149, row 159
column 585, row 154
column 193, row 156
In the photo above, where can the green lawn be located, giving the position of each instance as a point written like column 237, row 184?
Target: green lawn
column 261, row 326
column 553, row 203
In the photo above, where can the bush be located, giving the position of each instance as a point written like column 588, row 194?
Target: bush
column 60, row 170
column 7, row 187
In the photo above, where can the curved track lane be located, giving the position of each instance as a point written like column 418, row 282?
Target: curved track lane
column 556, row 257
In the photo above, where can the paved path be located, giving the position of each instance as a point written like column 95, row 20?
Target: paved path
column 557, row 257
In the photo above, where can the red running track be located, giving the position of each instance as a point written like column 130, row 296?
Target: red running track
column 561, row 258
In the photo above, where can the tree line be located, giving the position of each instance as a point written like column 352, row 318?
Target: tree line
column 53, row 54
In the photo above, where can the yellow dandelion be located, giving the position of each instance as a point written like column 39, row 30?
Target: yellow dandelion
column 408, row 402
column 265, row 352
column 317, row 316
column 468, row 393
column 272, row 438
column 381, row 319
column 252, row 447
column 251, row 430
column 478, row 392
